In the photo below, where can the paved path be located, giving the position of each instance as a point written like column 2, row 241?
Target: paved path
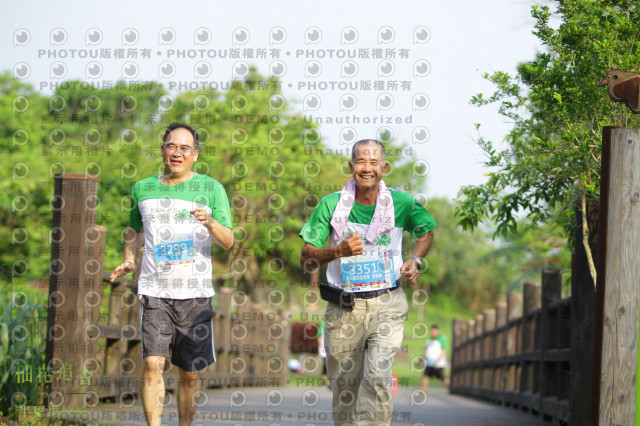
column 311, row 406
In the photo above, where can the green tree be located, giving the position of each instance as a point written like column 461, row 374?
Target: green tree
column 271, row 160
column 474, row 269
column 78, row 129
column 552, row 159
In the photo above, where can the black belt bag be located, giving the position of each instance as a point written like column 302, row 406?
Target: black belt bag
column 337, row 296
column 346, row 299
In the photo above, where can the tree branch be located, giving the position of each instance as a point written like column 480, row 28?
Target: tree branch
column 585, row 238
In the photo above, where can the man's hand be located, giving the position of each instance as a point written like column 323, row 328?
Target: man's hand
column 313, row 257
column 410, row 270
column 352, row 245
column 202, row 216
column 221, row 235
column 126, row 267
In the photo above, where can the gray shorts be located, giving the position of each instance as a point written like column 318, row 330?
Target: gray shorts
column 184, row 326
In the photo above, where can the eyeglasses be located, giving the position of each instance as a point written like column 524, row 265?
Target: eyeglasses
column 184, row 149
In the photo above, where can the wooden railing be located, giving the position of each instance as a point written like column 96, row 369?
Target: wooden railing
column 536, row 351
column 518, row 353
column 100, row 355
column 252, row 344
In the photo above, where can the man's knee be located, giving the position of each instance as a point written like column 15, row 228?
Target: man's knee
column 377, row 382
column 154, row 364
column 189, row 378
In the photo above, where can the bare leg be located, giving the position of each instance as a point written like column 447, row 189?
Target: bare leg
column 425, row 383
column 186, row 405
column 153, row 389
column 447, row 382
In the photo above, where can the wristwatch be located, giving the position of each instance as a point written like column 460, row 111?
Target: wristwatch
column 418, row 260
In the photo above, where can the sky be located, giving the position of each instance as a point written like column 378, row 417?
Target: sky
column 357, row 68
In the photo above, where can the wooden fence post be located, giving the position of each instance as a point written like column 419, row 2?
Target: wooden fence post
column 582, row 319
column 489, row 324
column 470, row 355
column 618, row 277
column 223, row 339
column 74, row 286
column 512, row 345
column 477, row 351
column 284, row 348
column 500, row 372
column 241, row 331
column 116, row 349
column 549, row 367
column 530, row 360
column 458, row 355
column 518, row 353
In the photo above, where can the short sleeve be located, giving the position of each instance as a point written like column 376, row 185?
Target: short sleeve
column 420, row 221
column 220, row 210
column 443, row 341
column 135, row 219
column 317, row 229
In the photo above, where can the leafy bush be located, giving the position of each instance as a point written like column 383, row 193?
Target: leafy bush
column 22, row 348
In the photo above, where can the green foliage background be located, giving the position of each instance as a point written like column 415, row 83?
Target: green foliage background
column 552, row 157
column 275, row 168
column 272, row 162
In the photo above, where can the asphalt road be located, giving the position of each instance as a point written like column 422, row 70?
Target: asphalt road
column 312, row 406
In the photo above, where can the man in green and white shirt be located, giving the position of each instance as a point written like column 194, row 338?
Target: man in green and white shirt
column 178, row 214
column 435, row 358
column 364, row 224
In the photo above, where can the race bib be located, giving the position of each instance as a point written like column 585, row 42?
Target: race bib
column 366, row 272
column 177, row 252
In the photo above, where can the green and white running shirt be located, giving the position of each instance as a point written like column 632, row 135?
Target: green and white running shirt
column 365, row 272
column 433, row 351
column 176, row 262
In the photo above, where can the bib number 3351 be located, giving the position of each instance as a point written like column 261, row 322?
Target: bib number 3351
column 367, row 272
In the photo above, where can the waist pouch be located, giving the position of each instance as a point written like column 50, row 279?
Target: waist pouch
column 337, row 296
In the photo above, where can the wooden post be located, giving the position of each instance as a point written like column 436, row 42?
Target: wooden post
column 457, row 355
column 74, row 285
column 223, row 342
column 619, row 275
column 551, row 292
column 500, row 372
column 582, row 320
column 250, row 343
column 132, row 362
column 115, row 347
column 470, row 356
column 512, row 343
column 501, row 321
column 563, row 342
column 240, row 363
column 530, row 362
column 489, row 325
column 460, row 365
column 284, row 347
column 477, row 352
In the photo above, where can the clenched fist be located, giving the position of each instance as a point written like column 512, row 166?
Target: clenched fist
column 352, row 245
